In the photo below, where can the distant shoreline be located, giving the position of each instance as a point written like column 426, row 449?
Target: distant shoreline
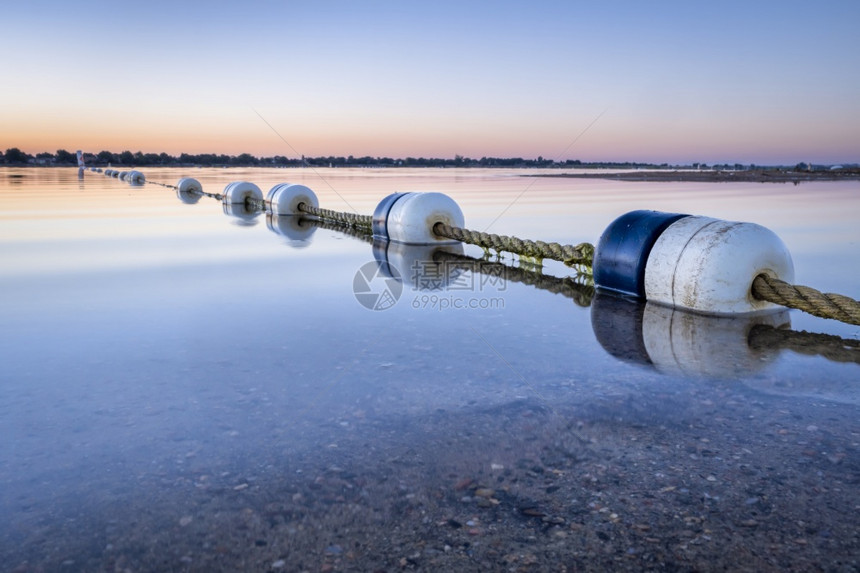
column 708, row 176
column 652, row 174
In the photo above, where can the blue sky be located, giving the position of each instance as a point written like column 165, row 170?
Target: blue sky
column 761, row 82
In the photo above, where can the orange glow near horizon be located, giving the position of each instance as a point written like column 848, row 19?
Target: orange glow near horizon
column 609, row 142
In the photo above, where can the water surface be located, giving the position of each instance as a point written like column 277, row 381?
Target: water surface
column 187, row 390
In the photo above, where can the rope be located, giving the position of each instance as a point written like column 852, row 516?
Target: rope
column 195, row 192
column 825, row 305
column 349, row 219
column 579, row 292
column 807, row 299
column 161, row 184
column 834, row 348
column 570, row 255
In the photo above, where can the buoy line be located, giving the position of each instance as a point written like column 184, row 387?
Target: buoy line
column 682, row 261
column 725, row 337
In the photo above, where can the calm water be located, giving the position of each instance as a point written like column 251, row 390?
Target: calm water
column 183, row 389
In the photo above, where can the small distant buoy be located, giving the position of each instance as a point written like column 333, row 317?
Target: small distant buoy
column 135, row 178
column 114, row 174
column 284, row 198
column 189, row 190
column 409, row 217
column 189, row 185
column 690, row 262
column 238, row 192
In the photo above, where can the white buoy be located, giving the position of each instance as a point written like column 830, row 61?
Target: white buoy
column 689, row 262
column 189, row 190
column 239, row 192
column 189, row 185
column 135, row 178
column 284, row 198
column 409, row 217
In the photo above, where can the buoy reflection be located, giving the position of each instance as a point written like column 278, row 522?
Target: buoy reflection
column 673, row 341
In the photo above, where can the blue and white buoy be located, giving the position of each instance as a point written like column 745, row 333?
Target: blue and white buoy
column 690, row 262
column 409, row 217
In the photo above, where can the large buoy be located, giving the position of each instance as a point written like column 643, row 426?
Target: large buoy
column 284, row 198
column 690, row 262
column 409, row 217
column 238, row 192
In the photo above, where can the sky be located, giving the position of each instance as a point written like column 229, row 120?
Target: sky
column 752, row 81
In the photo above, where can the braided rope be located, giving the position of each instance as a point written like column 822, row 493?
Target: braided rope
column 825, row 305
column 349, row 219
column 570, row 255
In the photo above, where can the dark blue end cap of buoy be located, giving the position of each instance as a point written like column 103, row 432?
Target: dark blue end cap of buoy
column 623, row 249
column 379, row 225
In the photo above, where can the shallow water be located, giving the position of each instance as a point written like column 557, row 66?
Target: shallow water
column 186, row 390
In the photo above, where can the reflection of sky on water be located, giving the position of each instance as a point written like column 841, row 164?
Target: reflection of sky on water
column 146, row 343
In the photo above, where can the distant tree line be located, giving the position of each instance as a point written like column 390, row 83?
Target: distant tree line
column 15, row 156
